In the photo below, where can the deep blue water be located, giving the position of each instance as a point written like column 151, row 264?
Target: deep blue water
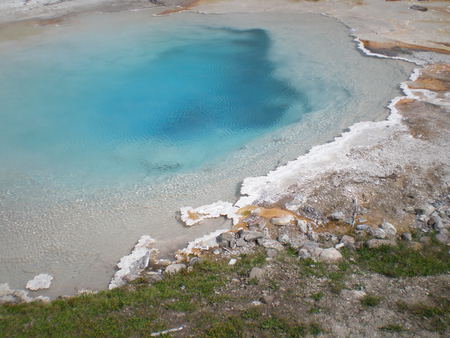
column 96, row 111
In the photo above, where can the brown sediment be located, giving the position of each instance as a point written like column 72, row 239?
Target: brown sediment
column 269, row 213
column 391, row 48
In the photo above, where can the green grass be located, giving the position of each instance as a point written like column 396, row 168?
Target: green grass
column 137, row 309
column 370, row 300
column 140, row 309
column 392, row 328
column 402, row 261
column 317, row 296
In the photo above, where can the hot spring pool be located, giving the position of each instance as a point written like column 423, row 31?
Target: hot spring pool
column 111, row 122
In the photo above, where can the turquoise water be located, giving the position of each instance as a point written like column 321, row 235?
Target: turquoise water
column 88, row 111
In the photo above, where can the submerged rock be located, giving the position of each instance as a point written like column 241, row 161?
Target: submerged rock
column 39, row 282
column 418, row 8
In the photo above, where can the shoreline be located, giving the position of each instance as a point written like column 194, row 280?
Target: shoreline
column 249, row 185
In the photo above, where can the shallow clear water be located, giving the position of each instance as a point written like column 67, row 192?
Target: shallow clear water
column 111, row 123
column 97, row 111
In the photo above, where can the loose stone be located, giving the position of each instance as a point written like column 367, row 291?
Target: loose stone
column 232, row 261
column 389, row 229
column 251, row 235
column 330, row 255
column 337, row 216
column 426, row 209
column 271, row 253
column 174, row 268
column 406, row 236
column 285, row 220
column 348, row 241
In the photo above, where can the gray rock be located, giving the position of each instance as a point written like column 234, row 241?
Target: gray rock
column 376, row 243
column 310, row 245
column 250, row 236
column 240, row 242
column 423, row 218
column 302, row 225
column 418, row 8
column 225, row 239
column 296, row 242
column 284, row 238
column 348, row 241
column 174, row 268
column 315, row 252
column 389, row 230
column 362, row 227
column 443, row 236
column 436, row 222
column 377, row 233
column 337, row 216
column 193, row 261
column 154, row 276
column 406, row 236
column 271, row 243
column 303, row 254
column 271, row 253
column 257, row 273
column 330, row 255
column 285, row 220
column 426, row 209
column 163, row 262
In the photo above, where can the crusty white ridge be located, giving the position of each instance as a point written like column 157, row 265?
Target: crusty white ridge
column 131, row 265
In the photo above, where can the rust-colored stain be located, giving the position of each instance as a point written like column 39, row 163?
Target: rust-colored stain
column 193, row 215
column 392, row 45
column 181, row 8
column 434, row 85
